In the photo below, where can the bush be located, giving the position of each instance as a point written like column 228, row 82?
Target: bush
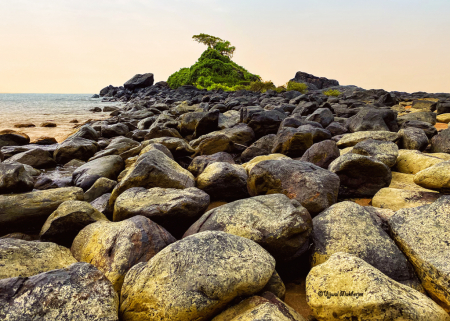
column 292, row 85
column 261, row 86
column 332, row 92
column 280, row 89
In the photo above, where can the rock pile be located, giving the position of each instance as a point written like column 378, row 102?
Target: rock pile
column 185, row 203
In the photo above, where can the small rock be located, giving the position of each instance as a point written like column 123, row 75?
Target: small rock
column 101, row 186
column 48, row 124
column 14, row 179
column 436, row 177
column 24, row 125
column 396, row 199
column 45, row 140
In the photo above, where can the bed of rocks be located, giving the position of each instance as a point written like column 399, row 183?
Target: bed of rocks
column 196, row 205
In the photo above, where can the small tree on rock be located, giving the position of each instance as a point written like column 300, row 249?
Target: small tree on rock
column 222, row 46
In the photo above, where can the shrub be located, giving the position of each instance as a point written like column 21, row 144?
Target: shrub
column 332, row 92
column 261, row 86
column 292, row 85
column 280, row 89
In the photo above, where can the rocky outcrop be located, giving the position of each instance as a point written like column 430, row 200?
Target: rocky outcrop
column 318, row 82
column 140, row 81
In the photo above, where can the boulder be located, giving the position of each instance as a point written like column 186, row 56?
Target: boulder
column 101, row 203
column 117, row 146
column 422, row 233
column 159, row 147
column 428, row 129
column 323, row 116
column 75, row 148
column 154, row 169
column 441, row 142
column 349, row 140
column 424, row 105
column 223, row 181
column 373, row 119
column 336, row 128
column 177, row 146
column 413, row 138
column 28, row 212
column 68, row 220
column 360, row 176
column 215, row 144
column 15, row 179
column 412, row 161
column 36, row 158
column 262, row 146
column 347, row 288
column 443, row 108
column 406, row 181
column 265, row 307
column 78, row 292
column 195, row 278
column 208, row 123
column 45, row 140
column 240, row 134
column 350, row 228
column 199, row 163
column 319, row 82
column 86, row 131
column 436, row 177
column 426, row 116
column 115, row 247
column 264, row 122
column 322, row 153
column 280, row 225
column 188, row 122
column 19, row 258
column 139, row 81
column 444, row 118
column 13, row 138
column 289, row 177
column 292, row 142
column 318, row 133
column 396, row 199
column 108, row 167
column 385, row 152
column 229, row 119
column 258, row 159
column 101, row 186
column 115, row 130
column 173, row 209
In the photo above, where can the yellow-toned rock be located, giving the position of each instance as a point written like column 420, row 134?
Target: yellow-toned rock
column 346, row 150
column 423, row 234
column 195, row 278
column 114, row 247
column 352, row 139
column 249, row 165
column 348, row 227
column 413, row 161
column 436, row 177
column 443, row 118
column 396, row 199
column 26, row 258
column 257, row 308
column 443, row 156
column 347, row 288
column 406, row 181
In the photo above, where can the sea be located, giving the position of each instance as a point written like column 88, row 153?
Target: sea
column 58, row 108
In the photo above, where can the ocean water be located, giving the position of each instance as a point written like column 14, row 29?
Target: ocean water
column 58, row 108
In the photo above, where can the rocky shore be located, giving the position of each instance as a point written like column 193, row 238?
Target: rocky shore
column 190, row 204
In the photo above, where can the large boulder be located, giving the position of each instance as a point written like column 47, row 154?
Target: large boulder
column 262, row 146
column 385, row 152
column 28, row 212
column 323, row 116
column 265, row 122
column 101, row 186
column 349, row 140
column 422, row 233
column 396, row 199
column 154, row 169
column 223, row 181
column 68, row 220
column 87, row 132
column 37, row 158
column 425, row 116
column 413, row 138
column 78, row 292
column 441, row 142
column 373, row 119
column 240, row 134
column 115, row 247
column 360, row 176
column 13, row 138
column 435, row 177
column 119, row 129
column 109, row 167
column 265, row 307
column 428, row 129
column 319, row 82
column 174, row 209
column 15, row 179
column 207, row 123
column 348, row 227
column 140, row 81
column 292, row 142
column 75, row 148
column 289, row 177
column 280, row 225
column 177, row 146
column 27, row 258
column 347, row 288
column 195, row 278
column 117, row 146
column 322, row 153
column 199, row 163
column 413, row 161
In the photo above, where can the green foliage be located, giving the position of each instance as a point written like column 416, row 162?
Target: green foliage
column 292, row 85
column 222, row 46
column 332, row 92
column 261, row 86
column 211, row 70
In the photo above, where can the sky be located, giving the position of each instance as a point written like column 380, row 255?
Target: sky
column 62, row 46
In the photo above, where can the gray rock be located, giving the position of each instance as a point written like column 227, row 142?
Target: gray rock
column 15, row 179
column 426, row 116
column 199, row 163
column 412, row 138
column 101, row 186
column 115, row 130
column 117, row 146
column 322, row 153
column 323, row 116
column 87, row 132
column 140, row 81
column 75, row 148
column 385, row 152
column 262, row 146
column 13, row 138
column 36, row 158
column 429, row 129
column 441, row 142
column 292, row 142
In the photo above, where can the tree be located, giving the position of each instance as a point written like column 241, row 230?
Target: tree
column 222, row 46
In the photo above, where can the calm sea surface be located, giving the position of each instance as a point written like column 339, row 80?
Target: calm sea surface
column 38, row 108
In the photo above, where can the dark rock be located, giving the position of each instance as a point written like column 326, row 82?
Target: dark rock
column 101, row 203
column 48, row 124
column 75, row 148
column 87, row 132
column 48, row 182
column 322, row 153
column 262, row 146
column 96, row 110
column 412, row 138
column 323, row 116
column 426, row 116
column 441, row 142
column 429, row 129
column 140, row 81
column 14, row 179
column 292, row 142
column 115, row 130
column 199, row 163
column 13, row 138
column 101, row 186
column 208, row 123
column 117, row 146
column 318, row 134
column 372, row 119
column 266, row 122
column 36, row 158
column 336, row 129
column 319, row 82
column 44, row 140
column 385, row 152
column 443, row 108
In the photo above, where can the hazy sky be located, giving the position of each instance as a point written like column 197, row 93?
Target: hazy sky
column 61, row 46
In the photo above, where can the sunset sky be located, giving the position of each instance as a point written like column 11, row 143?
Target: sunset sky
column 61, row 46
